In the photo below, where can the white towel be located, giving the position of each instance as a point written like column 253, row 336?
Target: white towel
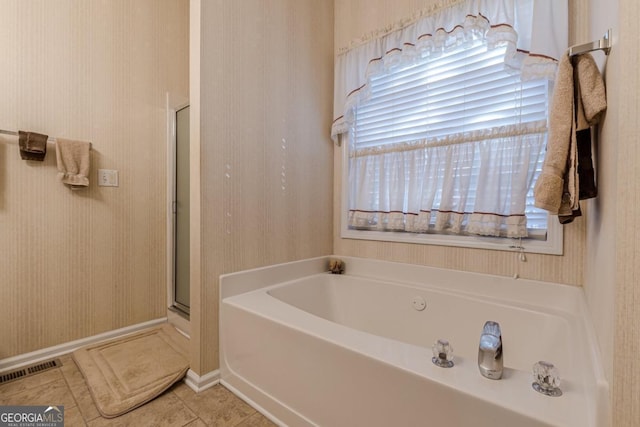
column 73, row 159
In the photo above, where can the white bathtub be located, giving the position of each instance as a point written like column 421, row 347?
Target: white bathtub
column 306, row 347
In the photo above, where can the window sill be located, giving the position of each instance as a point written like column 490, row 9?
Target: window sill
column 551, row 246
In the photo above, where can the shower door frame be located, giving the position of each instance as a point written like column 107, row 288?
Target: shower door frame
column 173, row 305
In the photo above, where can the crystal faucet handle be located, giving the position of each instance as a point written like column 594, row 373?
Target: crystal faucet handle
column 442, row 354
column 546, row 379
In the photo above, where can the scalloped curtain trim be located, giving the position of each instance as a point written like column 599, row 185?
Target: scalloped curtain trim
column 481, row 224
column 535, row 32
column 537, row 127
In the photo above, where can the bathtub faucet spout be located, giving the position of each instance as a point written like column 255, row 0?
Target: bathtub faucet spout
column 490, row 351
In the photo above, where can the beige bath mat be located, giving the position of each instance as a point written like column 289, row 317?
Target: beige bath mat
column 125, row 373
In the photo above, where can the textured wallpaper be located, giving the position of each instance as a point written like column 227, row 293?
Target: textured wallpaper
column 266, row 154
column 77, row 263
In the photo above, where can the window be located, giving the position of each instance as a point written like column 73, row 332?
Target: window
column 444, row 130
column 435, row 137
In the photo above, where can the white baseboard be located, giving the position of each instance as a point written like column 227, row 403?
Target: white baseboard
column 21, row 360
column 200, row 383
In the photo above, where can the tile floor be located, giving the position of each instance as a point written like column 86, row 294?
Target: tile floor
column 178, row 406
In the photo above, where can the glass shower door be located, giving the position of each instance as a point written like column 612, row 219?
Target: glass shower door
column 181, row 213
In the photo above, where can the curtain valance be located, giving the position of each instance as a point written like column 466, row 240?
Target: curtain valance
column 534, row 31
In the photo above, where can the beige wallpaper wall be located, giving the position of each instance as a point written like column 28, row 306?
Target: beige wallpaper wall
column 74, row 264
column 355, row 18
column 626, row 347
column 266, row 156
column 611, row 267
column 600, row 253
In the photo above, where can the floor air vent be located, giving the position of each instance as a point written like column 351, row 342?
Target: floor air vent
column 29, row 370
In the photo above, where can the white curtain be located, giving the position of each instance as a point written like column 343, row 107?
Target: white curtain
column 462, row 185
column 470, row 182
column 536, row 33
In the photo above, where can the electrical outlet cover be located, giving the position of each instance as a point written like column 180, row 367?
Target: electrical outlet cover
column 107, row 178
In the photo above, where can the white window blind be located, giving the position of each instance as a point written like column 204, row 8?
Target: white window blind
column 464, row 97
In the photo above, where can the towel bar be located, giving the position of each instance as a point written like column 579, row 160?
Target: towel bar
column 603, row 44
column 50, row 139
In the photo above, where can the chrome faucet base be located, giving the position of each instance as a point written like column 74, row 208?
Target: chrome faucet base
column 553, row 392
column 492, row 374
column 442, row 363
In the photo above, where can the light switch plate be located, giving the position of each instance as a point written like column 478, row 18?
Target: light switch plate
column 107, row 178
